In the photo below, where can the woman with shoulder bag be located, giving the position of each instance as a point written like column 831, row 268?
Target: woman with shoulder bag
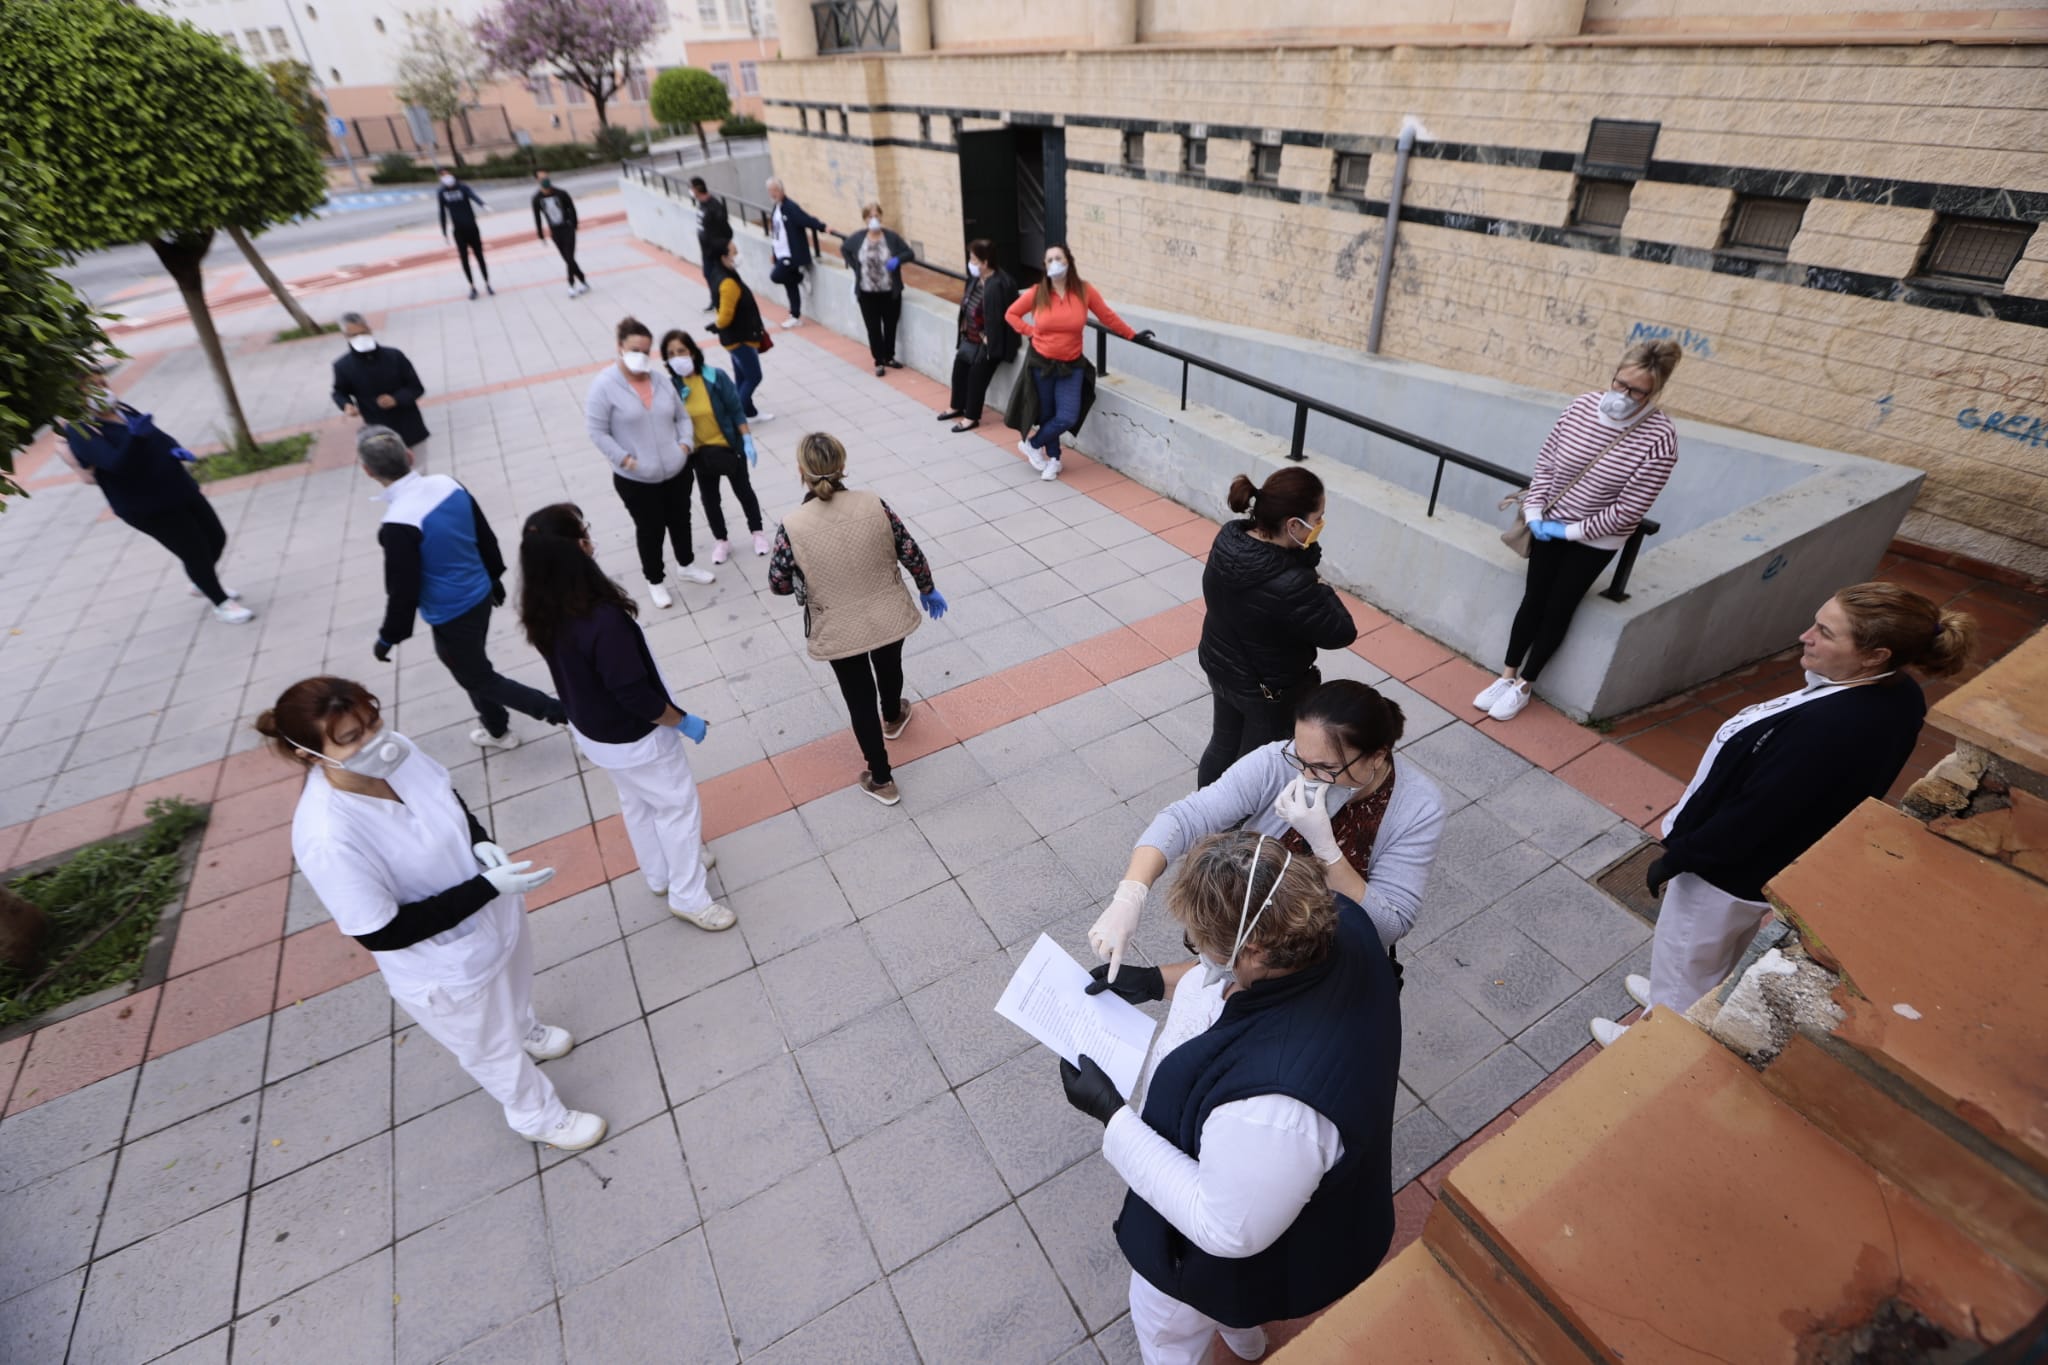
column 1058, row 312
column 740, row 330
column 1602, row 466
column 984, row 341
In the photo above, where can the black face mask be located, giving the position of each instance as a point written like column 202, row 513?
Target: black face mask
column 547, row 187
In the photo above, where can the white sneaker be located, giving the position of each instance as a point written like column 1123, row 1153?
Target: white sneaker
column 1257, row 1344
column 711, row 918
column 233, row 613
column 583, row 287
column 788, row 323
column 1638, row 987
column 573, row 1133
column 574, row 291
column 758, row 418
column 1495, row 690
column 1030, row 452
column 545, row 1042
column 697, row 575
column 1510, row 705
column 708, row 858
column 234, row 594
column 508, row 740
column 658, row 593
column 761, row 545
column 1052, row 471
column 1606, row 1031
column 720, row 551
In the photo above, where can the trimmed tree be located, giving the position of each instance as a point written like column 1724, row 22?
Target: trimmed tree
column 48, row 335
column 440, row 70
column 691, row 95
column 293, row 82
column 201, row 142
column 591, row 44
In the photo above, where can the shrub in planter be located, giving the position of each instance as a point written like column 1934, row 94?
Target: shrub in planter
column 740, row 125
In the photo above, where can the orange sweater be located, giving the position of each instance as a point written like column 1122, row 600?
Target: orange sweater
column 1055, row 330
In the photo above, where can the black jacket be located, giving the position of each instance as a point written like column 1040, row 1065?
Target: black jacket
column 799, row 226
column 455, row 201
column 605, row 677
column 746, row 322
column 1268, row 614
column 361, row 376
column 1021, row 414
column 131, row 461
column 714, row 228
column 1782, row 782
column 998, row 292
column 849, row 250
column 568, row 206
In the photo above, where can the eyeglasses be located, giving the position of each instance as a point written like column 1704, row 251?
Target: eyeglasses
column 1631, row 390
column 1321, row 772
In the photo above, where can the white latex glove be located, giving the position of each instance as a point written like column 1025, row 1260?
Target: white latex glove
column 513, row 879
column 1112, row 930
column 490, row 855
column 1300, row 804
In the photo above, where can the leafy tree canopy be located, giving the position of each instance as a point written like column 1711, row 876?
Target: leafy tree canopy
column 47, row 333
column 293, row 81
column 588, row 43
column 689, row 94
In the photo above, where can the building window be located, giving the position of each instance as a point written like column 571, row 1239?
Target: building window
column 378, row 24
column 707, row 13
column 723, row 70
column 334, row 74
column 736, row 13
column 1619, row 148
column 232, row 43
column 803, row 120
column 1600, row 205
column 278, row 42
column 1266, row 165
column 313, row 14
column 254, row 38
column 959, row 125
column 1134, row 151
column 574, row 94
column 1975, row 250
column 844, row 130
column 1194, row 155
column 1348, row 176
column 924, row 127
column 1764, row 225
column 750, row 79
column 543, row 90
column 636, row 84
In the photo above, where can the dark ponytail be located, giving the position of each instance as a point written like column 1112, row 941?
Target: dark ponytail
column 1287, row 494
column 1357, row 717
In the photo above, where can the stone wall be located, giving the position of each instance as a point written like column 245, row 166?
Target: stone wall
column 1485, row 279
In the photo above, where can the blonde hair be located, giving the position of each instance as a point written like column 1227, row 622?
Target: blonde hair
column 1208, row 896
column 821, row 460
column 1917, row 633
column 1658, row 358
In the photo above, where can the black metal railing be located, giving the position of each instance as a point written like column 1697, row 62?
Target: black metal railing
column 1304, row 404
column 854, row 26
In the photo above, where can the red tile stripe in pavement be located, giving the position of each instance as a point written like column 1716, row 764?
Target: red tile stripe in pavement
column 231, row 975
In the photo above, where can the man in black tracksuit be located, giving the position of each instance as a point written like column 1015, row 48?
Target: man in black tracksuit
column 714, row 235
column 455, row 197
column 555, row 212
column 378, row 384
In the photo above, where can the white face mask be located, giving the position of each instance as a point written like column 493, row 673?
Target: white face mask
column 682, row 365
column 874, row 225
column 1055, row 269
column 378, row 758
column 448, row 180
column 974, row 269
column 638, row 362
column 1226, row 972
column 1616, row 406
column 365, row 342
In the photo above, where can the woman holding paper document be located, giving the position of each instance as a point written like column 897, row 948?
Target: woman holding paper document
column 1335, row 793
column 1258, row 1144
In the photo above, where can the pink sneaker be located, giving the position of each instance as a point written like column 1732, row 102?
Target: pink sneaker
column 719, row 552
column 761, row 546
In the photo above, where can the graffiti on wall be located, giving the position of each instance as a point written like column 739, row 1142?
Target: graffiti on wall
column 2014, row 426
column 1689, row 341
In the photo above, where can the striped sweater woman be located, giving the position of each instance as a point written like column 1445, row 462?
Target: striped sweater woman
column 1601, row 468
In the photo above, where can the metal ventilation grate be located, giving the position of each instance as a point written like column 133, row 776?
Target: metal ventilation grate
column 1765, row 224
column 1620, row 147
column 1601, row 204
column 1975, row 249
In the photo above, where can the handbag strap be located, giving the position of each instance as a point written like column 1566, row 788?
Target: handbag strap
column 1605, row 451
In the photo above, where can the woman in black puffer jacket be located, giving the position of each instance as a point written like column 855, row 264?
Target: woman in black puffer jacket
column 1268, row 615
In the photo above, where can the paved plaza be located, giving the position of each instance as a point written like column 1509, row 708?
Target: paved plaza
column 824, row 1146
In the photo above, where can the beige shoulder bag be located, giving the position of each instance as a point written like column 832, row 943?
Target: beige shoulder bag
column 1519, row 537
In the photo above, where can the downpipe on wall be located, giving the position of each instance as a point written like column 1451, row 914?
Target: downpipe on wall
column 1411, row 129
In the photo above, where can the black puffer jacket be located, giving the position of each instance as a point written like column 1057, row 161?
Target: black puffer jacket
column 1268, row 613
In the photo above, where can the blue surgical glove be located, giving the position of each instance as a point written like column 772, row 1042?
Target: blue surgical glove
column 753, row 451
column 1548, row 530
column 694, row 727
column 934, row 605
column 180, row 453
column 894, row 262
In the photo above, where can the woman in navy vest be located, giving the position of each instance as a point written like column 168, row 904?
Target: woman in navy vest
column 1258, row 1144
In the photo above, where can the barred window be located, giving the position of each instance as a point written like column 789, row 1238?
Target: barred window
column 1194, row 155
column 1975, row 250
column 1266, row 165
column 1348, row 177
column 1600, row 205
column 1765, row 224
column 1134, row 151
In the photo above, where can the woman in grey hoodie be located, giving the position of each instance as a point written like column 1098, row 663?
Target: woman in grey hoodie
column 634, row 417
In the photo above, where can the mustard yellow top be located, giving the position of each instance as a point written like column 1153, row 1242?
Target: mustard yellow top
column 697, row 402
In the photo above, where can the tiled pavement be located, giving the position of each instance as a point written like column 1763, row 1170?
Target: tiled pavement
column 824, row 1144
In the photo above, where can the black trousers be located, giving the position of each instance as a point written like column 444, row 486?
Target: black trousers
column 713, row 256
column 712, row 463
column 565, row 242
column 467, row 240
column 791, row 277
column 1560, row 572
column 1243, row 723
column 880, row 310
column 872, row 684
column 459, row 644
column 657, row 510
column 194, row 534
column 970, row 385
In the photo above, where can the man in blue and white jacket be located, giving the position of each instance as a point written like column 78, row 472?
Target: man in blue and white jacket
column 442, row 562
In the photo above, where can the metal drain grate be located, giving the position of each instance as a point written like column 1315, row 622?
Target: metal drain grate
column 1624, row 881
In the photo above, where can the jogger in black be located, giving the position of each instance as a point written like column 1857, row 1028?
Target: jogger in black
column 872, row 684
column 455, row 198
column 194, row 534
column 459, row 644
column 1560, row 572
column 554, row 212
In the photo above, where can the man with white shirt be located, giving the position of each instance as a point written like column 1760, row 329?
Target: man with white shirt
column 789, row 237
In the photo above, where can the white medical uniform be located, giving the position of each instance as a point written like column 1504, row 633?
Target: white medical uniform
column 658, row 803
column 470, row 987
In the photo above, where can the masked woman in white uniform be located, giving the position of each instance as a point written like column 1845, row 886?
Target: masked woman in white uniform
column 406, row 871
column 1781, row 774
column 1335, row 792
column 1258, row 1143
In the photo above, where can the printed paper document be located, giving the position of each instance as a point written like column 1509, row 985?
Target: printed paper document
column 1048, row 999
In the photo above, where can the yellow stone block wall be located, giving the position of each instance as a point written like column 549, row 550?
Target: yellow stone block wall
column 1878, row 378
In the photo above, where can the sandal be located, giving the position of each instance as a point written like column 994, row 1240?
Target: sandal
column 965, row 426
column 711, row 918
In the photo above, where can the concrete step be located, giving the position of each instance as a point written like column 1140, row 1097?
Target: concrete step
column 1412, row 1310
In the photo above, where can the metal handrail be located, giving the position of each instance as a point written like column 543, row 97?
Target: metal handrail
column 1304, row 404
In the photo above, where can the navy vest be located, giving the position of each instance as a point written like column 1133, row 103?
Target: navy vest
column 1329, row 1036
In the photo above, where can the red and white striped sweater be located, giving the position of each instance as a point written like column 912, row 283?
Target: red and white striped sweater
column 1603, row 507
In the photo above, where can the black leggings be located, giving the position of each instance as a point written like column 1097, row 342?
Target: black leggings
column 565, row 242
column 790, row 276
column 880, row 310
column 1560, row 572
column 712, row 463
column 1242, row 724
column 872, row 684
column 467, row 240
column 657, row 510
column 194, row 534
column 970, row 385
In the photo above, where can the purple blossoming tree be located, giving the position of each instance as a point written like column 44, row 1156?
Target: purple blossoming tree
column 590, row 44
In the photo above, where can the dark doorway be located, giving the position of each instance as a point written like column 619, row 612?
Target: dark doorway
column 1013, row 191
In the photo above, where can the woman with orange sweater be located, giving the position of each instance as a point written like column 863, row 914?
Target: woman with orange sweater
column 1058, row 312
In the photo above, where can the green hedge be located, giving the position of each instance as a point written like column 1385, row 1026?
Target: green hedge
column 739, row 125
column 396, row 168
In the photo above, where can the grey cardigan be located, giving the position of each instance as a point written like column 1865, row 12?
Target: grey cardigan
column 658, row 438
column 1401, row 855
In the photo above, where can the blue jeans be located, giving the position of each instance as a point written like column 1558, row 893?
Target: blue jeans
column 1059, row 407
column 746, row 373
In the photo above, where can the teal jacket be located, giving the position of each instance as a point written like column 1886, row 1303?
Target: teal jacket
column 725, row 401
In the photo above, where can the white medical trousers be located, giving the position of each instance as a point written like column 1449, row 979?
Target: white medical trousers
column 1701, row 932
column 1171, row 1333
column 486, row 1030
column 658, row 801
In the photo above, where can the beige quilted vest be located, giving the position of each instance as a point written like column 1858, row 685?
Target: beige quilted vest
column 855, row 590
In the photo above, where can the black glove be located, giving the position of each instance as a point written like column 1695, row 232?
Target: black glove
column 382, row 650
column 498, row 592
column 1089, row 1088
column 1134, row 983
column 1145, row 335
column 1658, row 873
